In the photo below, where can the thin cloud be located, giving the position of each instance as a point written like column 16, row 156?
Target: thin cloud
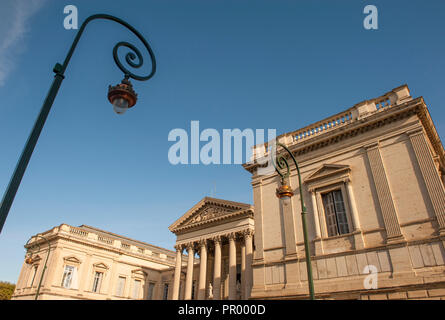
column 15, row 23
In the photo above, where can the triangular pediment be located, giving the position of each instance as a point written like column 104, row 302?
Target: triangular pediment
column 327, row 170
column 208, row 210
column 71, row 259
column 139, row 272
column 36, row 258
column 100, row 265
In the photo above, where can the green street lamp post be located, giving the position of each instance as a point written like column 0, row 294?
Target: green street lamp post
column 286, row 192
column 121, row 96
column 29, row 260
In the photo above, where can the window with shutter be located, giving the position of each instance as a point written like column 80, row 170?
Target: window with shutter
column 335, row 212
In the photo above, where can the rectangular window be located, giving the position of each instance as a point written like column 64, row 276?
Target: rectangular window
column 335, row 213
column 67, row 277
column 136, row 289
column 165, row 296
column 97, row 281
column 34, row 273
column 151, row 288
column 120, row 286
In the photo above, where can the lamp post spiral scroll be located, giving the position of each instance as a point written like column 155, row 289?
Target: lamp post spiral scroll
column 122, row 96
column 285, row 192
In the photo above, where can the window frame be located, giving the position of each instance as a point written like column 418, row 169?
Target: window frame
column 335, row 213
column 138, row 286
column 62, row 284
column 151, row 284
column 319, row 192
column 97, row 285
column 164, row 291
column 121, row 294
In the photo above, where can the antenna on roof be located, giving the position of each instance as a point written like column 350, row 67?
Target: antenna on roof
column 213, row 190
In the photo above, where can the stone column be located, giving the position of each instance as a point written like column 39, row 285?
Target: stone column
column 189, row 276
column 178, row 267
column 354, row 212
column 249, row 258
column 217, row 269
column 202, row 270
column 315, row 213
column 434, row 185
column 384, row 195
column 232, row 266
column 359, row 242
column 243, row 269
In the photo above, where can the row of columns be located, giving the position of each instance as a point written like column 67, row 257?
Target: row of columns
column 203, row 246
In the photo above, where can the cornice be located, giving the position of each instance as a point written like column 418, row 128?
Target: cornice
column 376, row 120
column 105, row 247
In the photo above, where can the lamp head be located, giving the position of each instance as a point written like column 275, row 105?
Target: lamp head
column 29, row 260
column 122, row 96
column 284, row 191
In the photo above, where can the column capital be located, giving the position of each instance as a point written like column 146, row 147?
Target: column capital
column 217, row 239
column 179, row 247
column 231, row 236
column 190, row 246
column 248, row 233
column 202, row 243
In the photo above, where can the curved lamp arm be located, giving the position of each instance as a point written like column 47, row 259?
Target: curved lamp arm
column 280, row 162
column 133, row 58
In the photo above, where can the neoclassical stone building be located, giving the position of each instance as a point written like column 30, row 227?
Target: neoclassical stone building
column 89, row 263
column 221, row 232
column 373, row 185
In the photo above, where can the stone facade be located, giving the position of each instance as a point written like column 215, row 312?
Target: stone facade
column 373, row 186
column 88, row 263
column 222, row 232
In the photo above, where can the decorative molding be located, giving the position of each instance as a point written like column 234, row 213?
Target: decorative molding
column 100, row 265
column 72, row 259
column 327, row 170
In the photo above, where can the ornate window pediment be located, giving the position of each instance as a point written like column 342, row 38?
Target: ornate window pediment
column 36, row 259
column 100, row 265
column 326, row 171
column 139, row 273
column 72, row 260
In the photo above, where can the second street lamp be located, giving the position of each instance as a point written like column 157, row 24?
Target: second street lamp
column 285, row 192
column 30, row 260
column 121, row 96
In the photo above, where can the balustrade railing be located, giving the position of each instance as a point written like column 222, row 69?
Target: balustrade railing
column 344, row 118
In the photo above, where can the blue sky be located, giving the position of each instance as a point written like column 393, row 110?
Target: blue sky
column 229, row 64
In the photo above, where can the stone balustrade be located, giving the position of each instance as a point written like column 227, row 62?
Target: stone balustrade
column 85, row 235
column 359, row 111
